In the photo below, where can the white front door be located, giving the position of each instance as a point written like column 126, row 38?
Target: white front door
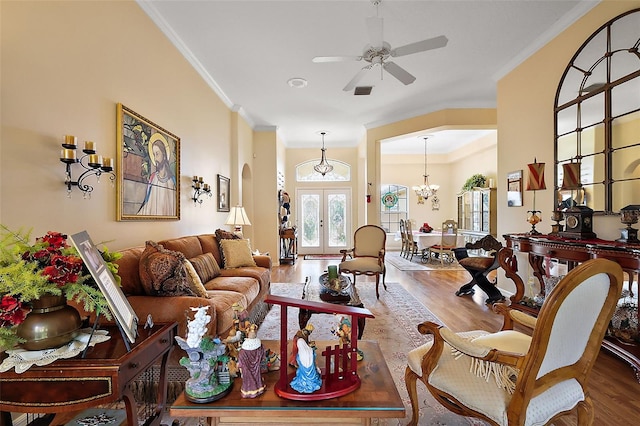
column 323, row 219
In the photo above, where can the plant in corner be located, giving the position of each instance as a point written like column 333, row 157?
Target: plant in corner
column 476, row 181
column 49, row 266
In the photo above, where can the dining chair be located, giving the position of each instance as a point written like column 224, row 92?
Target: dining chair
column 367, row 255
column 448, row 242
column 403, row 236
column 515, row 378
column 412, row 244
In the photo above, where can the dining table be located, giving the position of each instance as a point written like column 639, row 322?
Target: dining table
column 428, row 239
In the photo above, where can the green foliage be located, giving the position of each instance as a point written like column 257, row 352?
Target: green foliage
column 476, row 181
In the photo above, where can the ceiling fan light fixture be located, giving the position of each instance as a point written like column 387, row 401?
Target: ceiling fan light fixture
column 323, row 167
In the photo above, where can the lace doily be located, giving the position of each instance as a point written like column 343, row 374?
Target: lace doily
column 22, row 359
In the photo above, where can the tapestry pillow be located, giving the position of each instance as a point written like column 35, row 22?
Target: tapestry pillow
column 221, row 234
column 206, row 266
column 162, row 272
column 236, row 253
column 194, row 280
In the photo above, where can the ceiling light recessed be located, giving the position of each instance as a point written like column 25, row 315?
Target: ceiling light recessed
column 297, row 82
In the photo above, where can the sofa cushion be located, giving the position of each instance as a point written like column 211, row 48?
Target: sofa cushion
column 162, row 272
column 236, row 253
column 221, row 234
column 194, row 280
column 249, row 287
column 206, row 266
column 189, row 246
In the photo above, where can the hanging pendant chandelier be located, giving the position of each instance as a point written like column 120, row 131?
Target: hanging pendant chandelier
column 323, row 167
column 425, row 190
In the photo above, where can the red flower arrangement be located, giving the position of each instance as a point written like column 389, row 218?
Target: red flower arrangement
column 50, row 266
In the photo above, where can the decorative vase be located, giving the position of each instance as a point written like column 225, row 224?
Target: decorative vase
column 50, row 324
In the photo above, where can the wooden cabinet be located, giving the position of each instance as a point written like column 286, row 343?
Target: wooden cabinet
column 477, row 212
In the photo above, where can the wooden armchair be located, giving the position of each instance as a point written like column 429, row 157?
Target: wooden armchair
column 511, row 378
column 367, row 255
column 403, row 236
column 479, row 267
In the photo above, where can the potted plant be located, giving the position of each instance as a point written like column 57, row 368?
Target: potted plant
column 33, row 271
column 476, row 181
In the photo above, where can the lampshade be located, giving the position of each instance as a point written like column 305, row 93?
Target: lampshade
column 237, row 217
column 571, row 176
column 536, row 176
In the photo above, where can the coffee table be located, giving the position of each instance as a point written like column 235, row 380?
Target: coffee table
column 377, row 397
column 314, row 291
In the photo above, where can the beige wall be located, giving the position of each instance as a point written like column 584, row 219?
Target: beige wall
column 525, row 122
column 265, row 193
column 65, row 66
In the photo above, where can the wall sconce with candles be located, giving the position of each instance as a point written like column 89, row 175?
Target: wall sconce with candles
column 199, row 189
column 93, row 164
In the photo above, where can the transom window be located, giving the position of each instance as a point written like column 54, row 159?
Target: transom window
column 341, row 172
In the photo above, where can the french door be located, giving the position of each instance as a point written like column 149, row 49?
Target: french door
column 323, row 218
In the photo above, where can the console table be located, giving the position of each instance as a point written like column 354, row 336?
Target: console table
column 571, row 251
column 103, row 376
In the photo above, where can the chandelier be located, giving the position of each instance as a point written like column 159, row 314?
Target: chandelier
column 323, row 167
column 425, row 190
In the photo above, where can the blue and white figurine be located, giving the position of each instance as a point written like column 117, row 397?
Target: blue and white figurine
column 307, row 379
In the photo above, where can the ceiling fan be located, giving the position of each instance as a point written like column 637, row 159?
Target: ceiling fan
column 379, row 51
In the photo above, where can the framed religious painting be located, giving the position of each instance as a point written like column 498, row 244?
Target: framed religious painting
column 514, row 189
column 224, row 189
column 148, row 169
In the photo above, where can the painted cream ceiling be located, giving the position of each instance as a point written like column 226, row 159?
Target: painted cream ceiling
column 248, row 50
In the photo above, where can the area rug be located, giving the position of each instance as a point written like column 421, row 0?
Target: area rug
column 394, row 327
column 393, row 258
column 322, row 256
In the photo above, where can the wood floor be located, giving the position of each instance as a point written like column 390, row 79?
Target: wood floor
column 613, row 386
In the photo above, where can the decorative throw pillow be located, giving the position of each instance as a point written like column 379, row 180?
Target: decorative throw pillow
column 221, row 234
column 206, row 266
column 162, row 272
column 236, row 253
column 194, row 280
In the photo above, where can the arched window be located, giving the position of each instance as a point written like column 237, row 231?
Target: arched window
column 393, row 206
column 341, row 172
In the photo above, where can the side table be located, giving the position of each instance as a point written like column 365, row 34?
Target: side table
column 103, row 376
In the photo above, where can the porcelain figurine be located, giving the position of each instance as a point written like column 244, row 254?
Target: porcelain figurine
column 250, row 360
column 307, row 378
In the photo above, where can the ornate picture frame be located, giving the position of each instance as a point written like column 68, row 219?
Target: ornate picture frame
column 514, row 189
column 148, row 169
column 223, row 195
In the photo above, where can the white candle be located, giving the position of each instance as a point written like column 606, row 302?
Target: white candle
column 68, row 154
column 89, row 146
column 70, row 140
column 107, row 162
column 95, row 159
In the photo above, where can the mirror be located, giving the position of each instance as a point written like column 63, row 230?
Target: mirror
column 597, row 118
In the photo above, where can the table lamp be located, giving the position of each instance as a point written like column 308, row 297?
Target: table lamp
column 535, row 183
column 237, row 217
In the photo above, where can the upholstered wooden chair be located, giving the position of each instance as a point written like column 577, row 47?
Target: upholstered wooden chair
column 449, row 241
column 511, row 378
column 367, row 255
column 480, row 266
column 403, row 236
column 412, row 244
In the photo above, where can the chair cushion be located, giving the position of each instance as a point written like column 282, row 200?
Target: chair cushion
column 362, row 264
column 162, row 272
column 236, row 253
column 453, row 376
column 477, row 262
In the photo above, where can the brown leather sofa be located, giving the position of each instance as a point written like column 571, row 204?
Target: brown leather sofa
column 248, row 286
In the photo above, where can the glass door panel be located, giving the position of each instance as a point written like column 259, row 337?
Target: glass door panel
column 323, row 221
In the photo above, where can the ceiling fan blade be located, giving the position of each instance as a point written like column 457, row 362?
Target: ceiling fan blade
column 352, row 84
column 398, row 72
column 374, row 27
column 336, row 58
column 420, row 46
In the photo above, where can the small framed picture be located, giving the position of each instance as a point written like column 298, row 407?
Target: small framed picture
column 224, row 190
column 514, row 189
column 118, row 303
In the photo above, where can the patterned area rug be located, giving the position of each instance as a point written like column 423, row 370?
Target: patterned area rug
column 394, row 327
column 393, row 258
